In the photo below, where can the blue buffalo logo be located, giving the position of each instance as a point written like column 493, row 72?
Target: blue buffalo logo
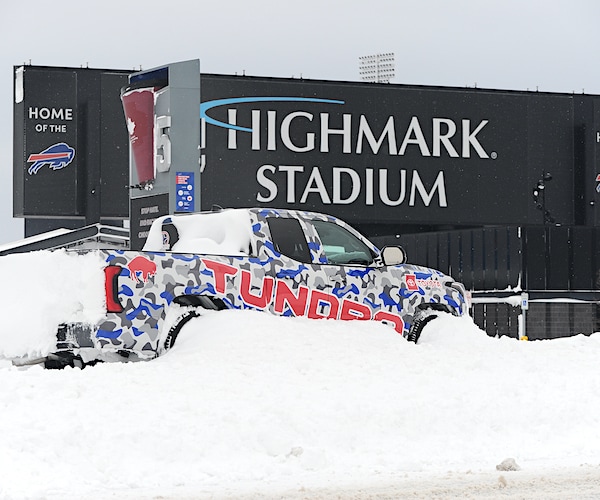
column 56, row 157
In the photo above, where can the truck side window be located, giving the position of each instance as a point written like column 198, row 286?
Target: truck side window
column 288, row 238
column 341, row 246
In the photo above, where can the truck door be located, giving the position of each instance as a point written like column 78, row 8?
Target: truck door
column 297, row 280
column 349, row 266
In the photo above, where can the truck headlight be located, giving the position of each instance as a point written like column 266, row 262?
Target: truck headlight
column 463, row 291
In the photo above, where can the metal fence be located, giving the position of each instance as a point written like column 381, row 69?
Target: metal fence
column 545, row 317
column 556, row 267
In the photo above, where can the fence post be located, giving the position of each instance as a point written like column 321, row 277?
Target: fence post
column 523, row 323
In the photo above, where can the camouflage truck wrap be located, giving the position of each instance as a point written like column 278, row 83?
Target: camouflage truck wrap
column 289, row 263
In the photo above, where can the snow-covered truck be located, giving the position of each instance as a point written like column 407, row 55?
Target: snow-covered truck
column 286, row 262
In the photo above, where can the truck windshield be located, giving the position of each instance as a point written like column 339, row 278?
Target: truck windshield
column 341, row 246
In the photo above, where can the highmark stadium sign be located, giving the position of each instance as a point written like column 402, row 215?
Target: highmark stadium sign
column 426, row 156
column 389, row 141
column 368, row 153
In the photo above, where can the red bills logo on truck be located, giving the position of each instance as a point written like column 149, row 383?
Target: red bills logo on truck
column 141, row 267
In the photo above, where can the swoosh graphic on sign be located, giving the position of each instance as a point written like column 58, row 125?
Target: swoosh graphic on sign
column 205, row 106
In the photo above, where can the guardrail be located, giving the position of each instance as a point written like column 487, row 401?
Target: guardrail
column 88, row 237
column 537, row 315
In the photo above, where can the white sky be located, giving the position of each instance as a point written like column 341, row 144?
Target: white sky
column 508, row 44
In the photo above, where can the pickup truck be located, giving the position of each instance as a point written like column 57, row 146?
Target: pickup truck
column 286, row 262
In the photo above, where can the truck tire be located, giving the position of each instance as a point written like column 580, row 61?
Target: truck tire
column 179, row 324
column 420, row 319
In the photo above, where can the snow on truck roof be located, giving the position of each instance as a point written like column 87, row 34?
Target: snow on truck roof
column 227, row 232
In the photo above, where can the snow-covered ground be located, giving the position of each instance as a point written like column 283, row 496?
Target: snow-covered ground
column 247, row 405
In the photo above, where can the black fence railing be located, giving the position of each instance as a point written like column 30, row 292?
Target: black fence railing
column 497, row 258
column 557, row 266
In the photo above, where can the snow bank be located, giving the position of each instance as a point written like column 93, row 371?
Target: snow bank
column 39, row 291
column 249, row 405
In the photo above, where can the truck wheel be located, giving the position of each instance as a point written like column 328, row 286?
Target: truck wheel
column 61, row 360
column 421, row 318
column 176, row 328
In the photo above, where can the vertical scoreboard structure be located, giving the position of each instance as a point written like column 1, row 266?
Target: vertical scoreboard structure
column 162, row 107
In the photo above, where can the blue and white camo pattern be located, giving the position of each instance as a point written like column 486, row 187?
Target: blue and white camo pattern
column 149, row 284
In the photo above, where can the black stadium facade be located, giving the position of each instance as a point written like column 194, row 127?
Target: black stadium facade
column 499, row 188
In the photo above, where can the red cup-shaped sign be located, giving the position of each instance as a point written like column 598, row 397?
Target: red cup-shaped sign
column 139, row 112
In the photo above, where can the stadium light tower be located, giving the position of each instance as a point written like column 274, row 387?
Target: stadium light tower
column 378, row 68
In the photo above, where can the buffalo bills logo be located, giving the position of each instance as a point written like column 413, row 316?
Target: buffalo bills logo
column 145, row 267
column 56, row 157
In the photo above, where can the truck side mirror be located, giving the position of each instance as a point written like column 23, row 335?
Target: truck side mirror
column 393, row 255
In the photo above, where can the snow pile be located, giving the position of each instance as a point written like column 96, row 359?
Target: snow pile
column 42, row 289
column 251, row 405
column 219, row 233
